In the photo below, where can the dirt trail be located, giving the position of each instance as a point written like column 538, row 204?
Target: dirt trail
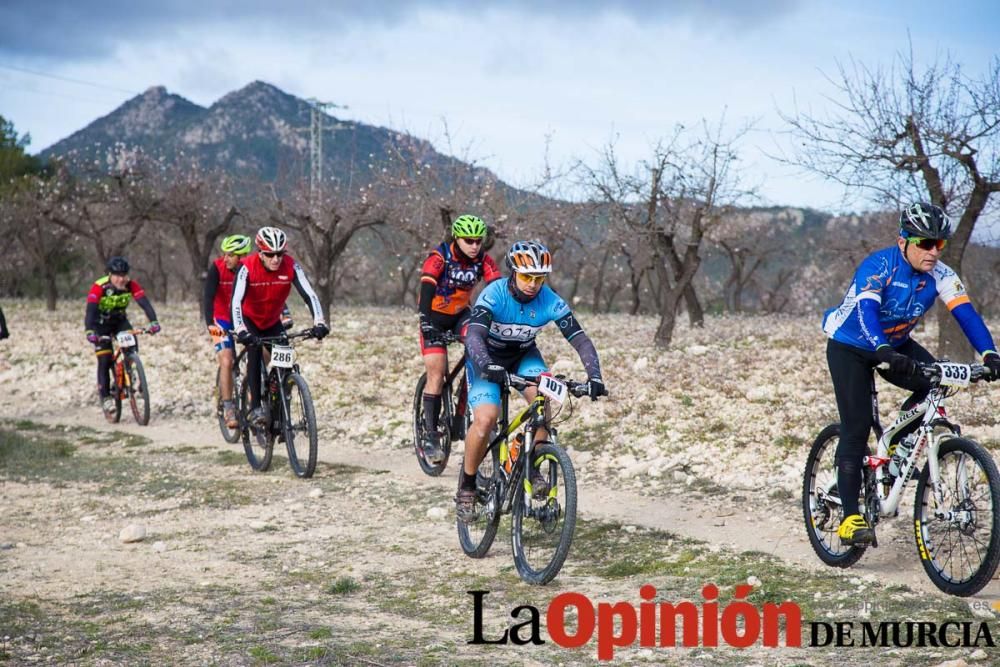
column 751, row 524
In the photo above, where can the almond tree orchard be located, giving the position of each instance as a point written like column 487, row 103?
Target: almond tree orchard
column 670, row 201
column 905, row 132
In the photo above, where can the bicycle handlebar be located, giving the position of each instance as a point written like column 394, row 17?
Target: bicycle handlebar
column 305, row 333
column 578, row 389
column 106, row 339
column 932, row 372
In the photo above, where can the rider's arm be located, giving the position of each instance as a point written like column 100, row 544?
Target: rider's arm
column 308, row 295
column 239, row 291
column 952, row 292
column 208, row 299
column 91, row 315
column 475, row 338
column 871, row 327
column 578, row 338
column 429, row 274
column 139, row 295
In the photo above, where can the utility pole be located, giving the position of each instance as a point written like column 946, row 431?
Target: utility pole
column 316, row 112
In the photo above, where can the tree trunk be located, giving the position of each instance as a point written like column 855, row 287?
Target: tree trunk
column 696, row 314
column 51, row 290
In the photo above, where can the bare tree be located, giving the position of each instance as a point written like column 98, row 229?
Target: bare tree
column 905, row 132
column 671, row 201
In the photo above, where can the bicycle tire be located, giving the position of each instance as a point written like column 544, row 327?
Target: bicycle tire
column 477, row 537
column 231, row 436
column 258, row 443
column 430, row 469
column 292, row 425
column 541, row 534
column 138, row 398
column 823, row 518
column 977, row 498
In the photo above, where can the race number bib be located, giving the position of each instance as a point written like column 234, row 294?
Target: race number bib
column 955, row 375
column 552, row 388
column 125, row 339
column 282, row 356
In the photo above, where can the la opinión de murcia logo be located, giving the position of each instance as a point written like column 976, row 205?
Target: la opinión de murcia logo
column 738, row 623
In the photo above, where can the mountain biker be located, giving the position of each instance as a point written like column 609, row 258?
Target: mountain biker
column 107, row 300
column 216, row 306
column 449, row 275
column 501, row 339
column 892, row 289
column 260, row 289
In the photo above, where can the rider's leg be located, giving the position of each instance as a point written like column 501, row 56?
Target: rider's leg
column 484, row 401
column 225, row 357
column 920, row 386
column 104, row 356
column 436, row 363
column 851, row 372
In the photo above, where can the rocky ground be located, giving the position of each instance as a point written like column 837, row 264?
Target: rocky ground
column 689, row 474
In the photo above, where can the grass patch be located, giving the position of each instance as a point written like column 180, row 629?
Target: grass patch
column 343, row 586
column 33, row 457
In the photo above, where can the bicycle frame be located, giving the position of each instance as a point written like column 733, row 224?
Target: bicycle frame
column 121, row 378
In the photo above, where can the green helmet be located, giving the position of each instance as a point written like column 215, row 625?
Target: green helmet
column 468, row 227
column 236, row 244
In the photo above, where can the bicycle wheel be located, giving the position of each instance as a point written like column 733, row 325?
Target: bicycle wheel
column 231, row 435
column 138, row 390
column 477, row 537
column 959, row 540
column 542, row 528
column 432, row 469
column 258, row 442
column 298, row 425
column 821, row 504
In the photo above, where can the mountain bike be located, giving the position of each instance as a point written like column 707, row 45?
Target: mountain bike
column 956, row 512
column 128, row 377
column 542, row 524
column 288, row 403
column 453, row 422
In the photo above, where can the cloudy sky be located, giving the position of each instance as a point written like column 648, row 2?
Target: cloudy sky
column 502, row 76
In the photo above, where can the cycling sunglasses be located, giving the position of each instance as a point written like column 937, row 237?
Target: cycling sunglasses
column 269, row 255
column 927, row 244
column 533, row 279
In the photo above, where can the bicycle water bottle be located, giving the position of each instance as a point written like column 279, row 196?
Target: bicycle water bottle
column 899, row 455
column 515, row 449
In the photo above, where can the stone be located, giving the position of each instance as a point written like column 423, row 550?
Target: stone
column 132, row 533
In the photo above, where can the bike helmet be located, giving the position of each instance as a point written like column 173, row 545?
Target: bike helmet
column 237, row 244
column 117, row 265
column 271, row 239
column 925, row 221
column 529, row 257
column 468, row 227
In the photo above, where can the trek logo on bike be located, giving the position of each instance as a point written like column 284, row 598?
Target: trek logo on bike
column 955, row 375
column 125, row 339
column 283, row 356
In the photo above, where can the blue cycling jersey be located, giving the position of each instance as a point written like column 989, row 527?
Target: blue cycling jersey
column 888, row 297
column 514, row 325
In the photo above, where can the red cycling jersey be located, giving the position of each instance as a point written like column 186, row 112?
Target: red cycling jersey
column 223, row 292
column 454, row 276
column 259, row 295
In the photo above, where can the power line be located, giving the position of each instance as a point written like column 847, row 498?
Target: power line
column 89, row 100
column 66, row 78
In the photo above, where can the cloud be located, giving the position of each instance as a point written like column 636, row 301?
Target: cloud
column 60, row 30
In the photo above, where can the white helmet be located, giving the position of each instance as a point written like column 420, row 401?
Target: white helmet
column 271, row 239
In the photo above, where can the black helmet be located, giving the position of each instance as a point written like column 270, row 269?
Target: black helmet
column 925, row 221
column 117, row 265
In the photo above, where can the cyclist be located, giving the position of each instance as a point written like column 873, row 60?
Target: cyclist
column 105, row 316
column 892, row 289
column 501, row 340
column 216, row 306
column 260, row 289
column 449, row 275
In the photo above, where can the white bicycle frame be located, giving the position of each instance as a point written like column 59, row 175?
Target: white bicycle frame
column 929, row 411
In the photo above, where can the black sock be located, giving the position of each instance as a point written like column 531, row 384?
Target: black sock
column 432, row 406
column 466, row 481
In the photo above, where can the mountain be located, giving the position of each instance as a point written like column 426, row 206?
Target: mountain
column 258, row 129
